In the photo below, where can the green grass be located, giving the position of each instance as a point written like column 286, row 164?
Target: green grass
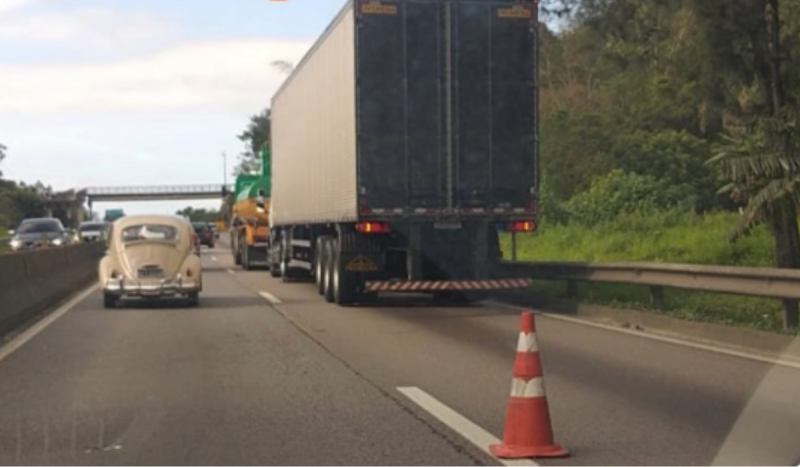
column 668, row 237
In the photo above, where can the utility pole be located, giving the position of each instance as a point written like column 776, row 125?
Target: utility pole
column 225, row 169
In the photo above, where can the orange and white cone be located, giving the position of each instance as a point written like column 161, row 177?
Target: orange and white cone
column 528, row 430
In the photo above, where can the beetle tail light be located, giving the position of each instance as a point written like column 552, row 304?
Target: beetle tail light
column 188, row 272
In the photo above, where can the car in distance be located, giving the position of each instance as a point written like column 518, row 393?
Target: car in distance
column 39, row 232
column 204, row 234
column 92, row 231
column 151, row 256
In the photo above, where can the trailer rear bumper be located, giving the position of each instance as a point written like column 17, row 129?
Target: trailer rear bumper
column 435, row 286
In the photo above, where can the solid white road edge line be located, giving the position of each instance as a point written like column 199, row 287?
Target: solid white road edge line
column 685, row 343
column 458, row 423
column 270, row 298
column 231, row 271
column 21, row 339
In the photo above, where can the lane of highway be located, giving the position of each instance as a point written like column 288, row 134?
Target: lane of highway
column 616, row 399
column 232, row 382
column 266, row 372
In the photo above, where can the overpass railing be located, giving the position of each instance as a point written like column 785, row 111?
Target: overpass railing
column 157, row 190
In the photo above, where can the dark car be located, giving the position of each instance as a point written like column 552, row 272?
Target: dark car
column 41, row 232
column 92, row 231
column 204, row 234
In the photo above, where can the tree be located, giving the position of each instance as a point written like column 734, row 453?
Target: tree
column 283, row 66
column 761, row 157
column 17, row 202
column 3, row 150
column 254, row 137
column 200, row 215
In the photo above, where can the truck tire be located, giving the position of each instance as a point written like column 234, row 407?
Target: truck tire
column 327, row 261
column 237, row 256
column 286, row 272
column 246, row 264
column 274, row 266
column 343, row 282
column 319, row 264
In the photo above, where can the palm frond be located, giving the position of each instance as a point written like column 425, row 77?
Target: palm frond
column 766, row 164
column 762, row 202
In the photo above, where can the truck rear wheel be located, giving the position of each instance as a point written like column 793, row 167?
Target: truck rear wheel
column 345, row 283
column 287, row 273
column 237, row 257
column 274, row 267
column 246, row 263
column 327, row 261
column 319, row 264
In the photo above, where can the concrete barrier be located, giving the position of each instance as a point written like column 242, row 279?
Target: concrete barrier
column 32, row 281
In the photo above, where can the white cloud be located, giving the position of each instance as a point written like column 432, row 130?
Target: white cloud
column 8, row 5
column 235, row 74
column 84, row 26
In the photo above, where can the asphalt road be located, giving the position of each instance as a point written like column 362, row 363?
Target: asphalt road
column 232, row 382
column 245, row 381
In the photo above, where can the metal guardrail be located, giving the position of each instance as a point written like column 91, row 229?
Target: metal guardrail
column 760, row 282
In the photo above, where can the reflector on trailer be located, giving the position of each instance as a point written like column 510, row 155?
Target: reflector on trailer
column 372, row 227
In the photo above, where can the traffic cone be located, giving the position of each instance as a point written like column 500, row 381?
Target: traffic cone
column 528, row 431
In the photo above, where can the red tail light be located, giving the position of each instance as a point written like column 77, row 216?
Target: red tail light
column 114, row 274
column 188, row 272
column 521, row 226
column 373, row 227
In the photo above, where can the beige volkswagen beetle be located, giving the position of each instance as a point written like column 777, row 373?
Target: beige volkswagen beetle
column 151, row 256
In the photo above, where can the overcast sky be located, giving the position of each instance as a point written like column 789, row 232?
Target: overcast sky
column 140, row 92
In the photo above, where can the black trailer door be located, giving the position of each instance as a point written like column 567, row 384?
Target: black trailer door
column 495, row 107
column 446, row 105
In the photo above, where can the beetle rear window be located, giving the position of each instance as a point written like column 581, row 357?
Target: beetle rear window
column 145, row 232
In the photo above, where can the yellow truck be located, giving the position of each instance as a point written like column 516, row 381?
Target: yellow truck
column 249, row 217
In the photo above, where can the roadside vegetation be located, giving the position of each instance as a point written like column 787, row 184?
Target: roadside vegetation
column 669, row 132
column 19, row 200
column 674, row 237
column 200, row 215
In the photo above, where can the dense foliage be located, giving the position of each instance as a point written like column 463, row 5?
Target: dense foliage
column 200, row 215
column 669, row 128
column 19, row 201
column 652, row 105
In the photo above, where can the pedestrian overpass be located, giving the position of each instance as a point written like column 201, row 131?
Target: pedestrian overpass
column 156, row 193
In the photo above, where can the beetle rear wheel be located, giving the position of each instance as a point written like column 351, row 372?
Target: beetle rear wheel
column 193, row 299
column 109, row 301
